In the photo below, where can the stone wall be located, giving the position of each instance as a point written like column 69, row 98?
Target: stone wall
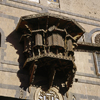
column 14, row 80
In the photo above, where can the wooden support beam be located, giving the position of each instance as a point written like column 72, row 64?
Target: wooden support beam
column 52, row 73
column 32, row 72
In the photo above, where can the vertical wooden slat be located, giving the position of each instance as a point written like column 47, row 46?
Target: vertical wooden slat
column 50, row 40
column 69, row 45
column 55, row 39
column 60, row 41
column 38, row 39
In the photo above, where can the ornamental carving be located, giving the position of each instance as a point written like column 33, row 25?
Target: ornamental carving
column 51, row 94
column 97, row 39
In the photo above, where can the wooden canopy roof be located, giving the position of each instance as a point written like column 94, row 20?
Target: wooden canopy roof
column 46, row 20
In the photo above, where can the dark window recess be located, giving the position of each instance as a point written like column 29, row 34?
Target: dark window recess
column 97, row 54
column 98, row 62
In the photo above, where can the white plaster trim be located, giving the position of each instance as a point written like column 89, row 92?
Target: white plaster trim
column 35, row 1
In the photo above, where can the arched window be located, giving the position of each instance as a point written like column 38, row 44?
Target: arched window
column 96, row 40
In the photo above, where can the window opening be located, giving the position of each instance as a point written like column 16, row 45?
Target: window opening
column 98, row 61
column 54, row 0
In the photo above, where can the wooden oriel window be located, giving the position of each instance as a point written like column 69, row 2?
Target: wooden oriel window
column 54, row 0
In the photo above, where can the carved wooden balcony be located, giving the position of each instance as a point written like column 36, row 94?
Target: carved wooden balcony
column 49, row 41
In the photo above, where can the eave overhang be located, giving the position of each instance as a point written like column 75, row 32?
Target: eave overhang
column 46, row 20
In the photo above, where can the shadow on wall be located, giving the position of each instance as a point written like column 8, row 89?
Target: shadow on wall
column 42, row 80
column 41, row 76
column 14, row 39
